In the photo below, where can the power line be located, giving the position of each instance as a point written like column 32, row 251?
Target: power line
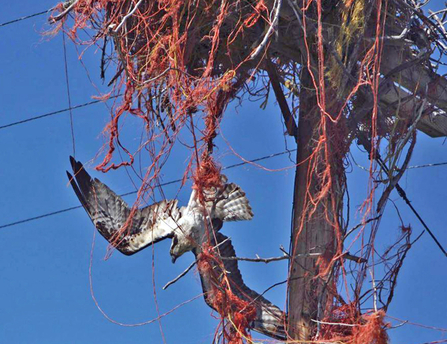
column 25, row 17
column 403, row 195
column 435, row 164
column 54, row 113
column 112, row 97
column 134, row 192
column 259, row 159
column 427, row 165
column 367, row 145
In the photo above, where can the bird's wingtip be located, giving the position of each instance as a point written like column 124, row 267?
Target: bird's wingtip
column 76, row 165
column 73, row 163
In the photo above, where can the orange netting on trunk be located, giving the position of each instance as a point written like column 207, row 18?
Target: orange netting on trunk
column 347, row 325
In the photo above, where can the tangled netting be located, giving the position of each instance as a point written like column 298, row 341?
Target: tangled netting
column 240, row 313
column 178, row 64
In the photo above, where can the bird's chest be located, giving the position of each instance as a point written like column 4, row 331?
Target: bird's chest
column 194, row 226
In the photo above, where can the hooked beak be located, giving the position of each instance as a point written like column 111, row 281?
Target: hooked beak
column 173, row 258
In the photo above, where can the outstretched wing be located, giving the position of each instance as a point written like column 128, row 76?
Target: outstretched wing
column 269, row 320
column 110, row 214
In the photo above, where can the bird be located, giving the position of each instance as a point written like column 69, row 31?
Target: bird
column 191, row 228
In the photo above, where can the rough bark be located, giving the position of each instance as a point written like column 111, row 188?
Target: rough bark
column 308, row 295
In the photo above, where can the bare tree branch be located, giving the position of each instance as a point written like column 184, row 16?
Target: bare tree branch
column 181, row 275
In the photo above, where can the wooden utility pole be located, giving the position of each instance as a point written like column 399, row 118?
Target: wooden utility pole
column 313, row 240
column 315, row 227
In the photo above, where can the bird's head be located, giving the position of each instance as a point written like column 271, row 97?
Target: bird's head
column 179, row 245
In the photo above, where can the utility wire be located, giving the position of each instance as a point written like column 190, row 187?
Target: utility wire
column 54, row 113
column 402, row 194
column 367, row 145
column 25, row 17
column 427, row 165
column 134, row 192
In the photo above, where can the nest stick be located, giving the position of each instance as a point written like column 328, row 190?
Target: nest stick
column 181, row 275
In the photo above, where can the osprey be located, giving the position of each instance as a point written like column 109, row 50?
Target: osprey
column 187, row 227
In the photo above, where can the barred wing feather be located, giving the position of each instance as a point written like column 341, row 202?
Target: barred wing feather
column 228, row 203
column 110, row 213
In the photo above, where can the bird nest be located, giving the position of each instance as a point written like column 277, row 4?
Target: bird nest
column 173, row 59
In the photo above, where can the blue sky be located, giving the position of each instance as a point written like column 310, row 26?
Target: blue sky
column 44, row 290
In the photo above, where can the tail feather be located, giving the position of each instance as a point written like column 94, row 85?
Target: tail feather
column 270, row 320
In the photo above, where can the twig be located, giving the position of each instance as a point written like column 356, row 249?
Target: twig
column 394, row 180
column 289, row 121
column 271, row 287
column 436, row 18
column 416, row 120
column 374, row 289
column 257, row 260
column 398, row 325
column 278, row 284
column 421, row 16
column 181, row 275
column 117, row 75
column 263, row 43
column 300, row 255
column 68, row 5
column 156, row 77
column 433, row 13
column 331, row 323
column 127, row 16
column 361, row 224
column 103, row 54
column 221, row 243
column 295, row 260
column 346, row 255
column 356, row 259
